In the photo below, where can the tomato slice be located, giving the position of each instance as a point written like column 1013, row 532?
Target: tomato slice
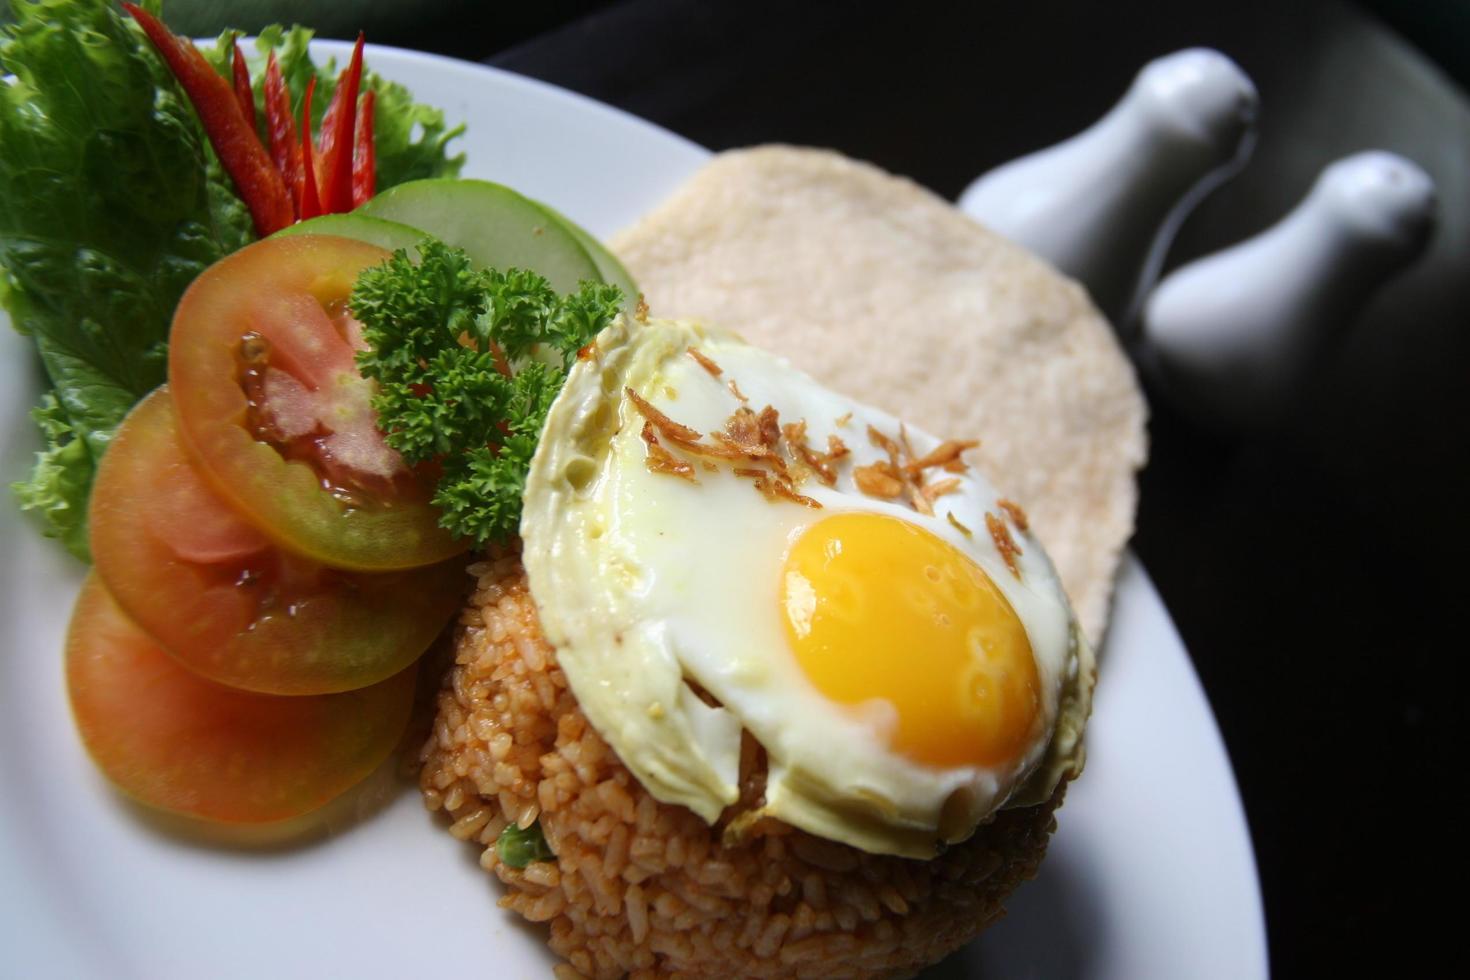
column 178, row 742
column 261, row 365
column 225, row 600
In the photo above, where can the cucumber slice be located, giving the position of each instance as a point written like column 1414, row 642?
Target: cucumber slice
column 608, row 266
column 499, row 228
column 375, row 231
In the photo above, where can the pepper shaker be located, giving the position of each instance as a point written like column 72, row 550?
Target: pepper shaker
column 1102, row 205
column 1231, row 336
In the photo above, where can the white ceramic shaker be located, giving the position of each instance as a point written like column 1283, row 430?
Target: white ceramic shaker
column 1102, row 205
column 1231, row 336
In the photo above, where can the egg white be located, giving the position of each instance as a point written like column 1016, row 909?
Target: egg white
column 643, row 580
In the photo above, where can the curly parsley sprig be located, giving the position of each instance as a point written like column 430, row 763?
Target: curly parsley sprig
column 467, row 362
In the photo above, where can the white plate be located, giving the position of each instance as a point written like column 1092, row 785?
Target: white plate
column 1151, row 873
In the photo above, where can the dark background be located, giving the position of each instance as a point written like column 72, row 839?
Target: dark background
column 1315, row 570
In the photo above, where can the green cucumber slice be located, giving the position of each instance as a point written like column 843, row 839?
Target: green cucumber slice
column 499, row 228
column 375, row 231
column 608, row 266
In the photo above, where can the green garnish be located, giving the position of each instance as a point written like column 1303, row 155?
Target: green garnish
column 518, row 848
column 442, row 337
column 112, row 202
column 61, row 478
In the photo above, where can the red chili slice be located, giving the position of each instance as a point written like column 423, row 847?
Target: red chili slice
column 309, row 205
column 364, row 155
column 243, row 94
column 234, row 140
column 336, row 147
column 281, row 127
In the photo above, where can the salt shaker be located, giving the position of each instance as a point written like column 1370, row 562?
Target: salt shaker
column 1231, row 336
column 1102, row 205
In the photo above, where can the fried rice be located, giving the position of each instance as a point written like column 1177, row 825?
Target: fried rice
column 641, row 888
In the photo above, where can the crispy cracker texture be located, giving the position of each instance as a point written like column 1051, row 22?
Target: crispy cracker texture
column 883, row 290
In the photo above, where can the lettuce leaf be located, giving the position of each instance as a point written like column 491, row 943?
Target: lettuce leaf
column 62, row 479
column 110, row 205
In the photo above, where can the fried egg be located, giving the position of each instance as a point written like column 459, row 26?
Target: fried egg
column 888, row 631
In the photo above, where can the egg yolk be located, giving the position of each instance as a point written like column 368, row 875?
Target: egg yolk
column 879, row 609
